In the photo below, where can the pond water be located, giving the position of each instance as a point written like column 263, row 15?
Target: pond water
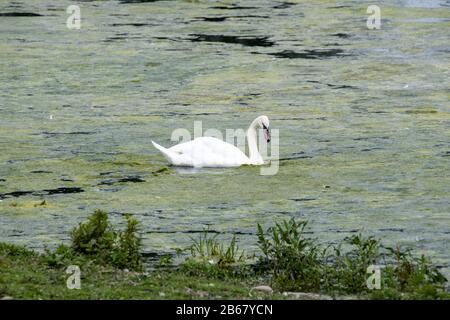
column 363, row 117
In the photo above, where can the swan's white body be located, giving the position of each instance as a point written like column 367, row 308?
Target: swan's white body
column 213, row 152
column 204, row 152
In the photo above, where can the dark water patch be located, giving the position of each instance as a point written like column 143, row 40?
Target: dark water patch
column 133, row 179
column 242, row 40
column 166, row 38
column 333, row 44
column 50, row 134
column 233, row 7
column 116, row 38
column 20, row 14
column 333, row 86
column 284, row 5
column 114, row 189
column 341, row 35
column 221, row 206
column 139, row 1
column 106, row 173
column 160, row 171
column 20, row 234
column 309, row 54
column 172, row 114
column 212, row 19
column 295, row 157
column 41, row 171
column 21, row 40
column 2, row 180
column 339, row 7
column 421, row 111
column 177, row 104
column 67, row 180
column 344, row 231
column 370, row 138
column 95, row 153
column 302, row 199
column 446, row 154
column 131, row 24
column 121, row 37
column 62, row 190
column 177, row 49
column 371, row 149
column 14, row 194
column 392, row 229
column 224, row 18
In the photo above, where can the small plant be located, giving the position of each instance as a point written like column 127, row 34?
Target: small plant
column 126, row 252
column 293, row 259
column 211, row 258
column 414, row 276
column 96, row 238
column 15, row 250
column 208, row 247
column 63, row 256
column 348, row 271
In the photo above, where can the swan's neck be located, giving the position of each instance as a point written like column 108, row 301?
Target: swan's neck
column 255, row 157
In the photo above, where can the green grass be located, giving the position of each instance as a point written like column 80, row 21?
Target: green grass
column 111, row 267
column 25, row 274
column 299, row 263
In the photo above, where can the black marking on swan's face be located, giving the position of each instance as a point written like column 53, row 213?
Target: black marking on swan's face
column 266, row 132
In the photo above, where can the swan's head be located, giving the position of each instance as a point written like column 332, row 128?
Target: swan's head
column 263, row 123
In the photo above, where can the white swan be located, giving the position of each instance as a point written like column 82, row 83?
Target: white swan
column 213, row 152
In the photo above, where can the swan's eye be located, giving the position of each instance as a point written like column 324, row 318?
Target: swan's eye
column 264, row 126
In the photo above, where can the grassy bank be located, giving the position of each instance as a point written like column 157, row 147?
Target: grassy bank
column 112, row 268
column 25, row 274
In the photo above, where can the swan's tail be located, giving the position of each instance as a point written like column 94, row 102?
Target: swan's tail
column 169, row 155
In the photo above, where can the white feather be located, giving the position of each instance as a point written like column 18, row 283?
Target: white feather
column 212, row 152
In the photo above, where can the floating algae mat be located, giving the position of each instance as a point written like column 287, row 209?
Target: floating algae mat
column 363, row 115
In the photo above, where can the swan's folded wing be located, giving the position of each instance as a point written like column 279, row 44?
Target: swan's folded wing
column 211, row 152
